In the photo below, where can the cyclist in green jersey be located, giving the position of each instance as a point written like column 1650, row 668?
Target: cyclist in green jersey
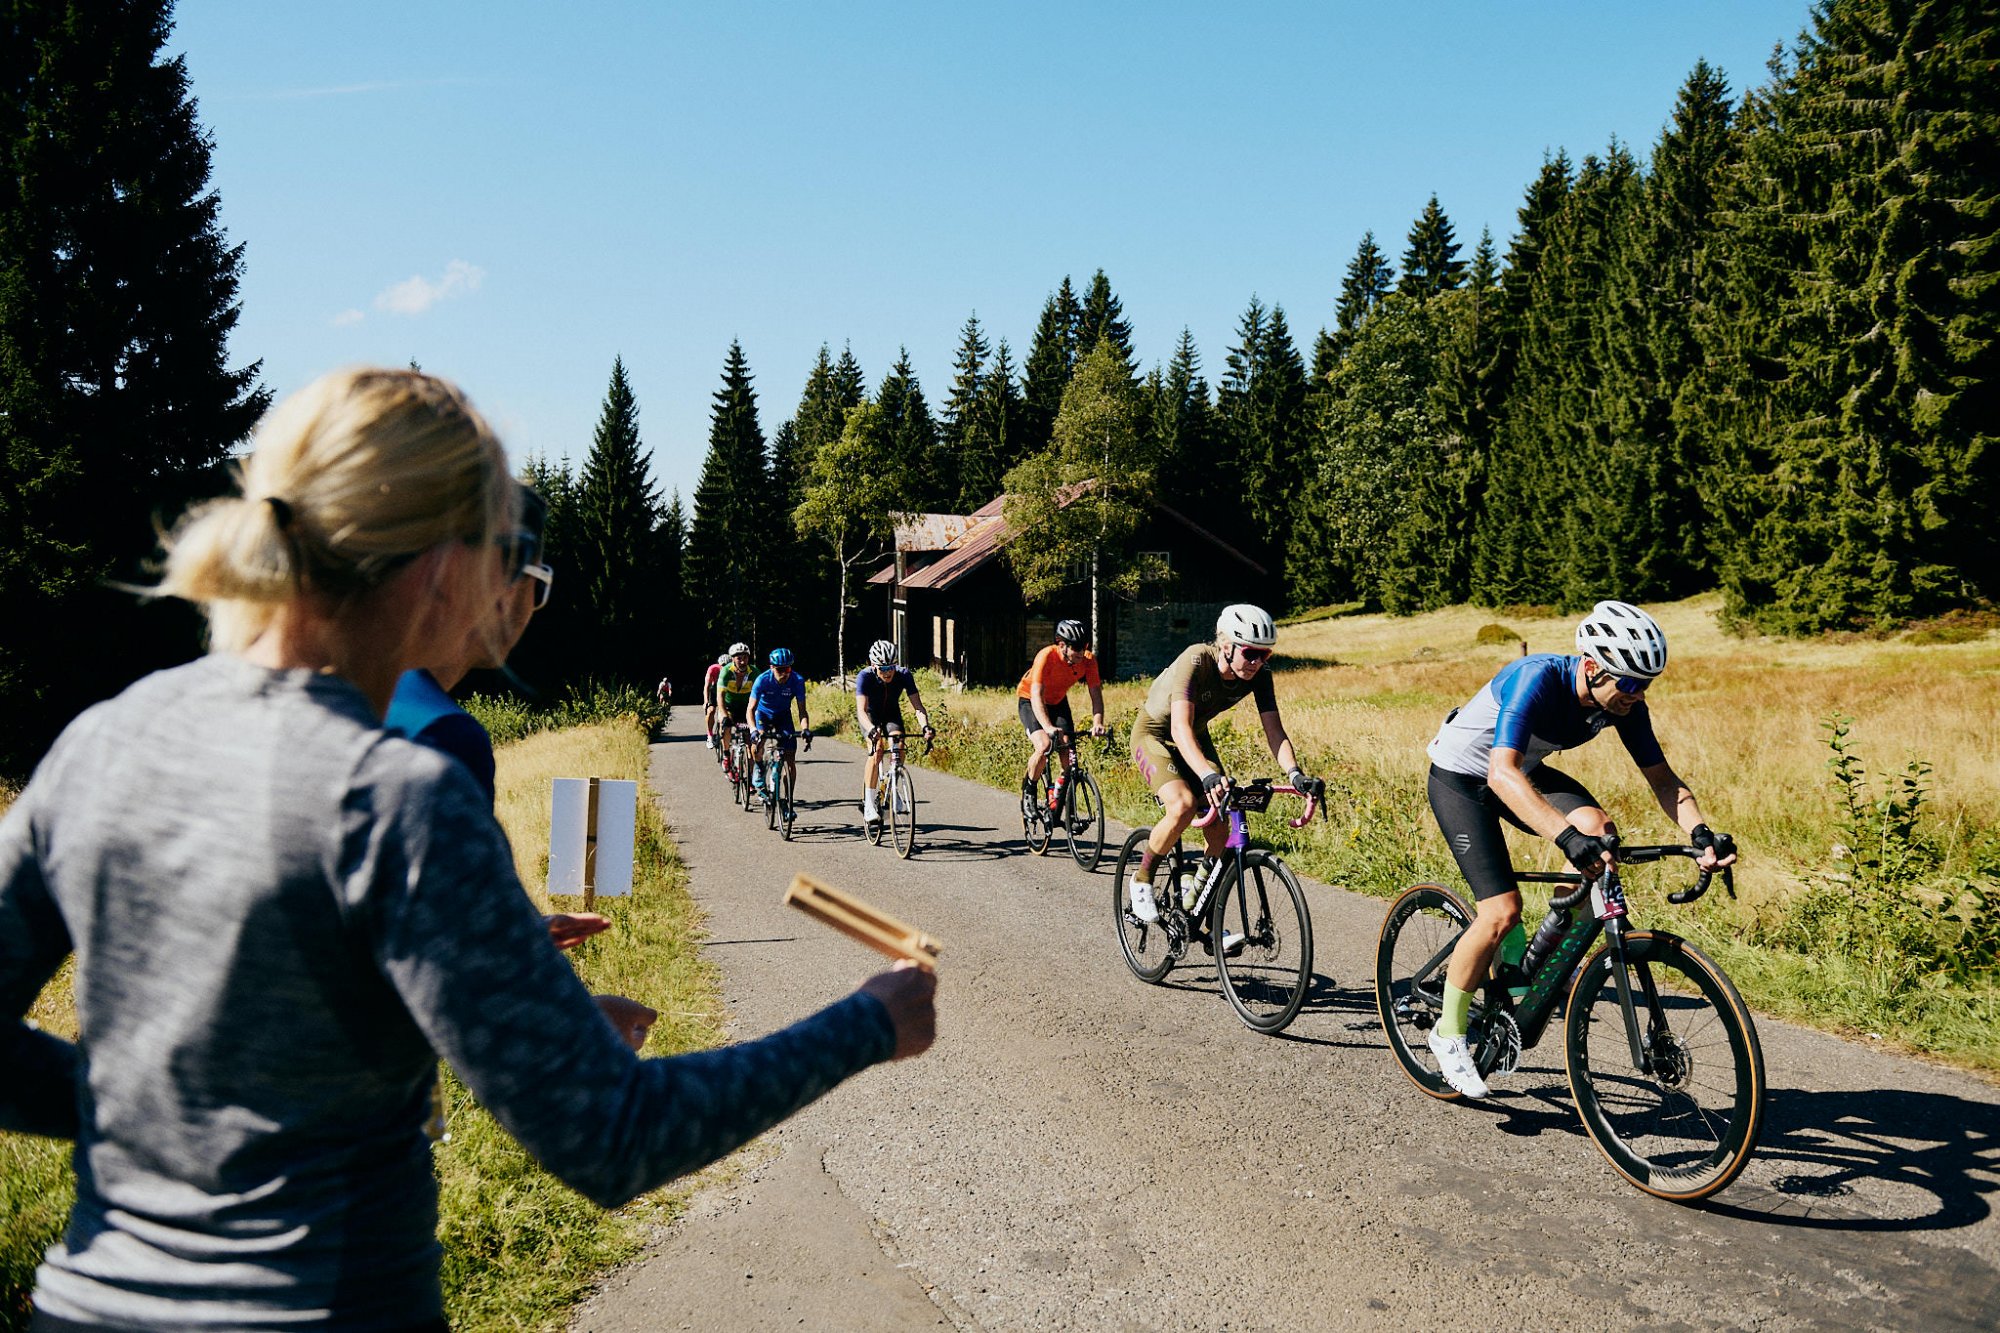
column 1172, row 747
column 732, row 689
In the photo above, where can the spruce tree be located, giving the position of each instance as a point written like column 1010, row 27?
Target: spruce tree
column 118, row 291
column 734, row 518
column 965, row 432
column 1000, row 408
column 1369, row 279
column 1865, row 432
column 1103, row 316
column 1051, row 359
column 1431, row 263
column 927, row 480
column 1182, row 426
column 617, row 509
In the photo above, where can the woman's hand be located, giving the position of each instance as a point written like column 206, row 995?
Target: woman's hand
column 908, row 992
column 569, row 929
column 632, row 1019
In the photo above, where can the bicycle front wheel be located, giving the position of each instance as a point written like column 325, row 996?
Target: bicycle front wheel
column 785, row 807
column 1263, row 938
column 1149, row 948
column 1083, row 820
column 1417, row 938
column 1035, row 829
column 903, row 813
column 1685, row 1126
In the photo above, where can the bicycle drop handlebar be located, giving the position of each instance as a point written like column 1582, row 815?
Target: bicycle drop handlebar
column 1255, row 796
column 1639, row 856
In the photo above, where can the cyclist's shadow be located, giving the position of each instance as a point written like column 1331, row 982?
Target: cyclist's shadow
column 1927, row 1143
column 1930, row 1145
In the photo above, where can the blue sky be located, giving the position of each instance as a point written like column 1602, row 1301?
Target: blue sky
column 514, row 193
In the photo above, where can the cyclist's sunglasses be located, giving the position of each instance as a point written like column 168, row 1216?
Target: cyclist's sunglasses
column 1631, row 684
column 545, row 582
column 1253, row 655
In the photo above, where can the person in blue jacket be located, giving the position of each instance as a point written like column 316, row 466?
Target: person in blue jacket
column 771, row 698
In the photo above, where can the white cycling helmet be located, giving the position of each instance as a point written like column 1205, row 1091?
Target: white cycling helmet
column 1246, row 624
column 739, row 650
column 722, row 660
column 1622, row 639
column 882, row 653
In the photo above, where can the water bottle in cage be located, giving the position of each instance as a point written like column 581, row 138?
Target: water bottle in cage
column 1546, row 937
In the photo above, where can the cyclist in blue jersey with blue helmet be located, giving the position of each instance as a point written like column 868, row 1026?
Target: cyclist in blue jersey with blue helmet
column 771, row 697
column 878, row 707
column 1487, row 765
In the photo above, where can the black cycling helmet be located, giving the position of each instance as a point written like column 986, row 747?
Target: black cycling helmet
column 1073, row 633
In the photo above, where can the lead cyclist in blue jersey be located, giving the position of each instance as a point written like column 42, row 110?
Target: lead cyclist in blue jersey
column 771, row 697
column 1487, row 765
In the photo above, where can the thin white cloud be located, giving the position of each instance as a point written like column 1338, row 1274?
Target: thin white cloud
column 347, row 318
column 415, row 295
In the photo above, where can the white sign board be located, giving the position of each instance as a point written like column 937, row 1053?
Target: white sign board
column 582, row 857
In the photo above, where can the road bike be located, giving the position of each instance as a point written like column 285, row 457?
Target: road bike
column 1662, row 1056
column 895, row 796
column 780, row 779
column 1067, row 800
column 736, row 761
column 1246, row 908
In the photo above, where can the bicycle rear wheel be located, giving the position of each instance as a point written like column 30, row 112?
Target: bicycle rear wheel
column 1685, row 1128
column 1417, row 938
column 1083, row 820
column 902, row 813
column 1267, row 976
column 1150, row 948
column 1035, row 828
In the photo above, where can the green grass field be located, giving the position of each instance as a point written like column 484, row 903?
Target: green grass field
column 520, row 1248
column 1822, row 932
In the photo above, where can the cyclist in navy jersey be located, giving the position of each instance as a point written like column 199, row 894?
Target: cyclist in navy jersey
column 878, row 694
column 1487, row 765
column 771, row 698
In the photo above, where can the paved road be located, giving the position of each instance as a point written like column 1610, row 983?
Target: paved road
column 1084, row 1151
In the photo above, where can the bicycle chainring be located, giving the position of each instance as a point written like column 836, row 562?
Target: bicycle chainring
column 1500, row 1048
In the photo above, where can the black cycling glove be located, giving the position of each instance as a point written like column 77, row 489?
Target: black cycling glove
column 1584, row 852
column 1313, row 787
column 1214, row 782
column 1707, row 839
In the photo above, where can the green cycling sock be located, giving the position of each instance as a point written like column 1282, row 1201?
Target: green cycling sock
column 1457, row 1011
column 1513, row 948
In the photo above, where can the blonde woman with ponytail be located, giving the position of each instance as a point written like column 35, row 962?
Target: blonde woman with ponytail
column 282, row 916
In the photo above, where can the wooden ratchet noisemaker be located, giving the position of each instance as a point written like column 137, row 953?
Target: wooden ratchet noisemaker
column 849, row 915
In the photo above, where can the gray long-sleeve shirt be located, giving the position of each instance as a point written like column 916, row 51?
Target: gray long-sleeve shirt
column 282, row 916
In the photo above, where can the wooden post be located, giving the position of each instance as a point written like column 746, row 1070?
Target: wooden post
column 590, row 851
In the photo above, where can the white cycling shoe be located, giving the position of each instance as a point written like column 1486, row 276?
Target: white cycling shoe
column 869, row 814
column 1454, row 1059
column 1140, row 892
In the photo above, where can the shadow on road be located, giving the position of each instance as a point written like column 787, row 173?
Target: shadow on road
column 1943, row 1151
